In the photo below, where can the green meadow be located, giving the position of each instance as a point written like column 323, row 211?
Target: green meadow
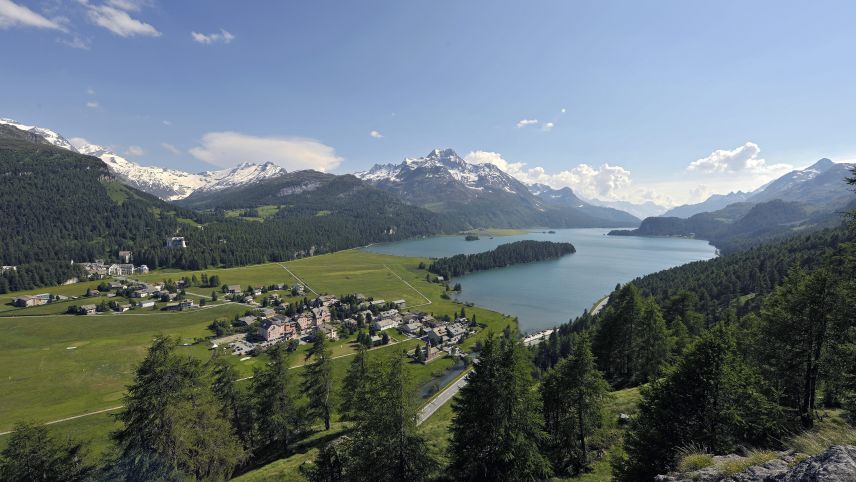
column 54, row 366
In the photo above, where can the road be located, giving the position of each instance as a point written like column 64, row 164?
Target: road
column 298, row 279
column 600, row 306
column 427, row 300
column 441, row 399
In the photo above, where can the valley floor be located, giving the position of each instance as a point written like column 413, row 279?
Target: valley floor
column 55, row 366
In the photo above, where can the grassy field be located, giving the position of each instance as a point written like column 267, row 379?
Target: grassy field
column 55, row 366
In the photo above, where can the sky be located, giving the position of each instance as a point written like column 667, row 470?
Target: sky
column 667, row 101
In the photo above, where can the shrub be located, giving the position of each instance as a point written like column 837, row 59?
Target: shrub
column 694, row 461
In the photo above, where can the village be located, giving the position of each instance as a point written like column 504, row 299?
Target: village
column 276, row 313
column 277, row 321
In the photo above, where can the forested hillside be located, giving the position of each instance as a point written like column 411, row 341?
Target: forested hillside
column 744, row 350
column 60, row 206
column 741, row 225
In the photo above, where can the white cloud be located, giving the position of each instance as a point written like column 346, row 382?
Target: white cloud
column 548, row 126
column 293, row 153
column 604, row 181
column 14, row 15
column 92, row 104
column 166, row 123
column 563, row 110
column 117, row 20
column 75, row 42
column 128, row 5
column 134, row 151
column 90, row 91
column 486, row 157
column 78, row 142
column 744, row 158
column 212, row 38
column 526, row 122
column 171, row 148
column 376, row 134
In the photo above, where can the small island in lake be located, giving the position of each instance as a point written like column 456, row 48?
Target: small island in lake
column 503, row 255
column 471, row 237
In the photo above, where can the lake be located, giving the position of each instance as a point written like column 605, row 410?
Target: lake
column 548, row 293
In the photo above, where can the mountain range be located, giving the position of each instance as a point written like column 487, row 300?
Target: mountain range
column 483, row 195
column 470, row 195
column 801, row 200
column 167, row 184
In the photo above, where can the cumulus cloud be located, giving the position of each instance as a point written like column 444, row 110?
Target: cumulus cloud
column 526, row 122
column 212, row 38
column 14, row 15
column 744, row 158
column 171, row 148
column 92, row 104
column 114, row 17
column 376, row 134
column 548, row 126
column 605, row 181
column 293, row 153
column 134, row 151
column 166, row 123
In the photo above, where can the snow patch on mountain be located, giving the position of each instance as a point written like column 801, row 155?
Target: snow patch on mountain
column 441, row 163
column 48, row 135
column 168, row 184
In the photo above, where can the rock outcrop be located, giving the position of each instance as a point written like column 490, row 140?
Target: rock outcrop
column 836, row 464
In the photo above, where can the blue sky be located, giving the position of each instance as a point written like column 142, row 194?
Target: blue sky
column 665, row 100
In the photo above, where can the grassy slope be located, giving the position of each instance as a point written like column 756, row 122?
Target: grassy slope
column 40, row 379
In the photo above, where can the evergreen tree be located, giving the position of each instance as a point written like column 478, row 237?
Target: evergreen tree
column 497, row 429
column 275, row 414
column 355, row 385
column 711, row 399
column 796, row 323
column 385, row 445
column 31, row 454
column 171, row 425
column 317, row 383
column 573, row 394
column 234, row 405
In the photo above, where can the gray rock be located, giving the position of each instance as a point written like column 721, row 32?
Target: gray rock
column 837, row 464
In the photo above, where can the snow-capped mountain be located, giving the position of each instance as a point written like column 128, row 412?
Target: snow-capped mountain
column 48, row 135
column 818, row 184
column 168, row 184
column 479, row 194
column 445, row 164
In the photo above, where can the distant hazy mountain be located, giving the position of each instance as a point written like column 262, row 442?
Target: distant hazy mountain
column 819, row 184
column 740, row 225
column 478, row 195
column 713, row 203
column 640, row 210
column 566, row 198
column 168, row 184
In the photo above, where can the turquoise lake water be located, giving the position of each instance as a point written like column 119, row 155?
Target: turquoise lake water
column 546, row 294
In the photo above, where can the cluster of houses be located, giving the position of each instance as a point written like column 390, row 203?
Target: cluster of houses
column 270, row 327
column 37, row 300
column 100, row 269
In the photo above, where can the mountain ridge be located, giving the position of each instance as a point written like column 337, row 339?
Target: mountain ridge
column 167, row 184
